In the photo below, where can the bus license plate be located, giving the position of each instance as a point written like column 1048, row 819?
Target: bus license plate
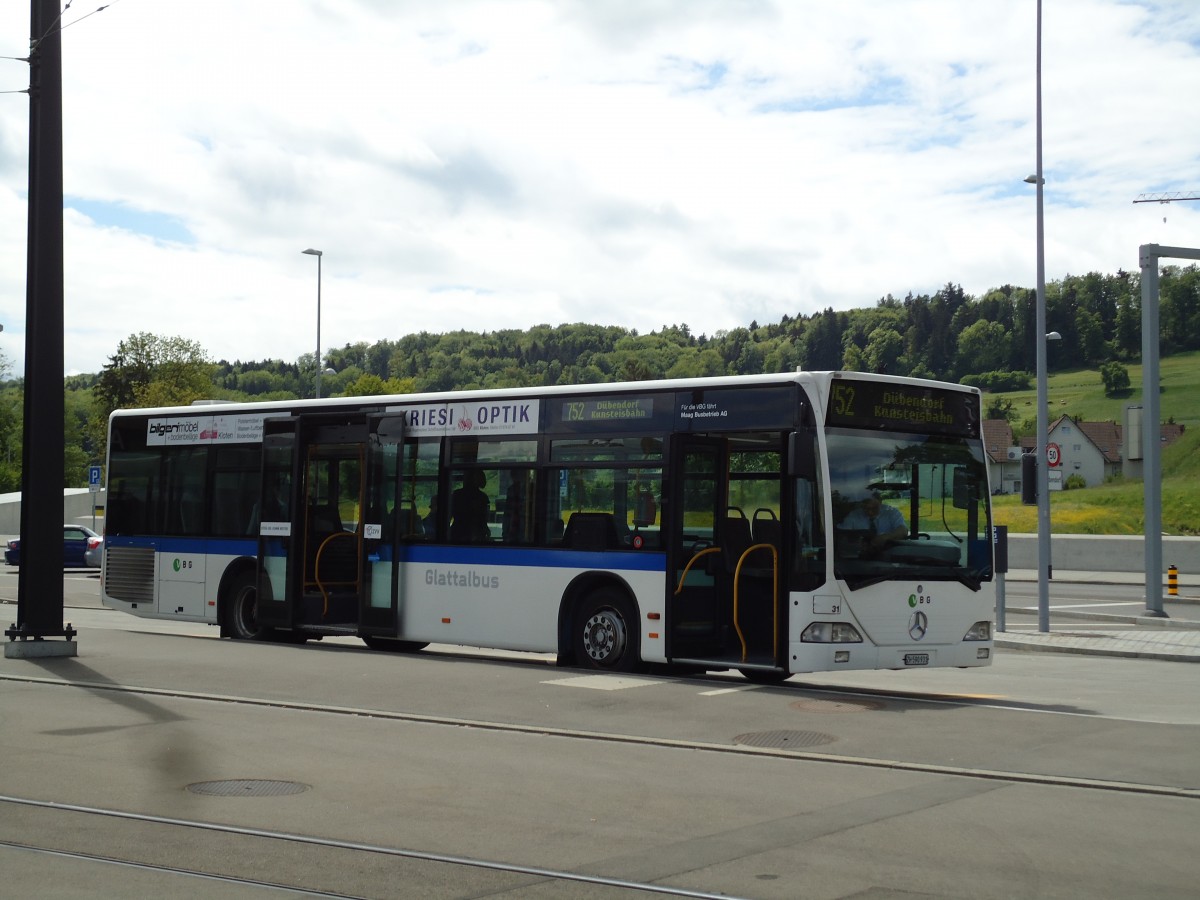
column 916, row 659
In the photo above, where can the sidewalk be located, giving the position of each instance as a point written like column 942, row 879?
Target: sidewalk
column 1172, row 639
column 1171, row 644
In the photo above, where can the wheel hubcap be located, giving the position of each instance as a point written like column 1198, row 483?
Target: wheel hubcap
column 604, row 636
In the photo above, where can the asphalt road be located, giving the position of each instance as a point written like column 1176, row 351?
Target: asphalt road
column 456, row 773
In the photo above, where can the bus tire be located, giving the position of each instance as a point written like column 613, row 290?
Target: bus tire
column 392, row 645
column 241, row 610
column 606, row 634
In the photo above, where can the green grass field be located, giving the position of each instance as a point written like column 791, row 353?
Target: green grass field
column 1080, row 393
column 1117, row 507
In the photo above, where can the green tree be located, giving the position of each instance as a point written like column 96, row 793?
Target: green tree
column 371, row 385
column 1179, row 308
column 1115, row 377
column 12, row 403
column 998, row 407
column 695, row 363
column 883, row 351
column 982, row 347
column 1127, row 334
column 148, row 370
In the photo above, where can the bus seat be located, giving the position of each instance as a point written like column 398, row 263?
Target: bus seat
column 325, row 519
column 767, row 528
column 735, row 539
column 408, row 522
column 591, row 531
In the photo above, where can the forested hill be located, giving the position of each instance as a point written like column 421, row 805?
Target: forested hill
column 989, row 341
column 949, row 335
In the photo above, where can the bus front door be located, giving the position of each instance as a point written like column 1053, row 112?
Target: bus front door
column 725, row 552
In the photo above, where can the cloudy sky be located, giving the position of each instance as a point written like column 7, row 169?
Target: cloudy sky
column 485, row 165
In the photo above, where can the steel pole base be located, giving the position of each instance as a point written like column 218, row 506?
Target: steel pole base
column 23, row 644
column 40, row 649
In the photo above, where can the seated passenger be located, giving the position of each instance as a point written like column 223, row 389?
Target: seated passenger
column 469, row 507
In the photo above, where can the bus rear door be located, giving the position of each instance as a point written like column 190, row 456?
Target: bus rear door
column 311, row 537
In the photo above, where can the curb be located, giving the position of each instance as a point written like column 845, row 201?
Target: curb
column 1031, row 647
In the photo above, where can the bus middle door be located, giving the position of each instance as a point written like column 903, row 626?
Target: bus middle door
column 279, row 566
column 386, row 521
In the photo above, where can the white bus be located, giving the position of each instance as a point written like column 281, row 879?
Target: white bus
column 700, row 524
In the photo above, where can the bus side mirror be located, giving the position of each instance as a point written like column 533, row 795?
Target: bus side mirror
column 802, row 454
column 966, row 489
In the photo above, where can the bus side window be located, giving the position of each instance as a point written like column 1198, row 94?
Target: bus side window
column 516, row 513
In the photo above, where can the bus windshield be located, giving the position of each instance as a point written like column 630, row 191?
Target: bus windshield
column 908, row 507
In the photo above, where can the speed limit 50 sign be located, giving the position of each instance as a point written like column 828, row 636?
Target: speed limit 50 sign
column 1053, row 455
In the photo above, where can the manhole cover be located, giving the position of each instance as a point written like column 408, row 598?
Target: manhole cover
column 784, row 740
column 247, row 787
column 819, row 705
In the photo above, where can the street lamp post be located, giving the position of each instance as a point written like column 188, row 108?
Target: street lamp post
column 318, row 254
column 1043, row 423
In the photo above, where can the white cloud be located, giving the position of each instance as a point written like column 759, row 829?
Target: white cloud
column 490, row 165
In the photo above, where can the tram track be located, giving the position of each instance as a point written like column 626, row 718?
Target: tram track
column 529, row 875
column 747, row 750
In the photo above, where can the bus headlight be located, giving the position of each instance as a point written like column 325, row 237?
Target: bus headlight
column 980, row 631
column 831, row 633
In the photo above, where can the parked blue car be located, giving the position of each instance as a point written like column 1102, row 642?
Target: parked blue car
column 82, row 548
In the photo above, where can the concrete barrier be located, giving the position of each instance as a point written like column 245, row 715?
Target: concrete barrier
column 77, row 509
column 1102, row 553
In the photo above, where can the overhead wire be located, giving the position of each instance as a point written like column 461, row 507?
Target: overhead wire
column 54, row 27
column 57, row 26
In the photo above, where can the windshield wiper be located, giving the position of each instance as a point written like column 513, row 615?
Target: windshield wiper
column 967, row 577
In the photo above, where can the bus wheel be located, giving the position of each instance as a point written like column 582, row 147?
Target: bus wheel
column 242, row 611
column 606, row 634
column 392, row 645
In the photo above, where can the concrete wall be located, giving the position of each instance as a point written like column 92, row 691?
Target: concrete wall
column 1093, row 553
column 77, row 509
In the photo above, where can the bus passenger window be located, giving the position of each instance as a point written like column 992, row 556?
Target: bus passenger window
column 516, row 506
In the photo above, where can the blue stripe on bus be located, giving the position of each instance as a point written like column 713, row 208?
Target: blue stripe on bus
column 628, row 560
column 523, row 556
column 182, row 545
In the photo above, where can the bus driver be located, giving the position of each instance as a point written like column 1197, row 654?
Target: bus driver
column 880, row 522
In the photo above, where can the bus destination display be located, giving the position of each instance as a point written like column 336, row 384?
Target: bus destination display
column 880, row 405
column 619, row 409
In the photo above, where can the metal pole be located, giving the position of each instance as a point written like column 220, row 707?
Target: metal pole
column 1148, row 257
column 1043, row 424
column 318, row 254
column 1151, row 459
column 39, row 584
